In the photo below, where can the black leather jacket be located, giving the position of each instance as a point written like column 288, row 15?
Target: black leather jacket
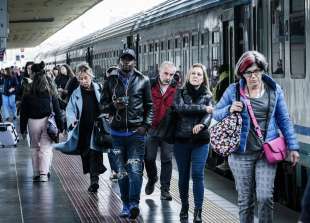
column 139, row 110
column 191, row 112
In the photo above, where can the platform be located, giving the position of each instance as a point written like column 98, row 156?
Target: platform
column 65, row 197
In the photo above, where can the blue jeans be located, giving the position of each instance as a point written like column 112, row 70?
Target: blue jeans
column 8, row 105
column 129, row 155
column 191, row 156
column 111, row 157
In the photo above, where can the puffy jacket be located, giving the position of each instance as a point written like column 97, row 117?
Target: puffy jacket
column 161, row 102
column 139, row 111
column 278, row 117
column 190, row 113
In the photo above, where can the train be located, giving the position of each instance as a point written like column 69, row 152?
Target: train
column 216, row 32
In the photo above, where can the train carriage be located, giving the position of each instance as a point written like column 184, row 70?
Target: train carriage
column 215, row 32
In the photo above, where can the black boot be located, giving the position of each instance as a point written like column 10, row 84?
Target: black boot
column 94, row 179
column 150, row 186
column 197, row 215
column 184, row 213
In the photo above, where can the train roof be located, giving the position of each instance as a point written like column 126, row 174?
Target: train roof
column 165, row 11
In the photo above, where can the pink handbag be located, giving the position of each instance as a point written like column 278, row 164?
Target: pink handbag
column 274, row 150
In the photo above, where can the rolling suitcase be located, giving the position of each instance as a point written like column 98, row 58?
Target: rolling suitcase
column 8, row 135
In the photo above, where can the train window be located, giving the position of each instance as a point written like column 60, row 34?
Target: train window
column 176, row 43
column 162, row 45
column 169, row 44
column 156, row 47
column 215, row 37
column 140, row 47
column 202, row 39
column 144, row 48
column 297, row 39
column 185, row 41
column 151, row 47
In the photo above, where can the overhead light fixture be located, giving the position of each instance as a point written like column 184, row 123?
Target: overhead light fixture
column 33, row 20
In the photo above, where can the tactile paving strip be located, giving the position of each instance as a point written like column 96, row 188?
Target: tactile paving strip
column 211, row 212
column 69, row 170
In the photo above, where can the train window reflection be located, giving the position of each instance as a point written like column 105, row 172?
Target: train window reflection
column 297, row 38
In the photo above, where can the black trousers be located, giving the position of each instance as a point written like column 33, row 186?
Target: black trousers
column 166, row 151
column 92, row 162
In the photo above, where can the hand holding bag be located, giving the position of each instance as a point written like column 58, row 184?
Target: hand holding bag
column 167, row 126
column 102, row 134
column 225, row 135
column 274, row 150
column 52, row 129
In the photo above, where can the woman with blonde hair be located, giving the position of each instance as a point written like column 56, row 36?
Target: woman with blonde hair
column 192, row 105
column 82, row 111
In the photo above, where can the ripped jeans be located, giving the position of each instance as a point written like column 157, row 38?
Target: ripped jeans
column 129, row 156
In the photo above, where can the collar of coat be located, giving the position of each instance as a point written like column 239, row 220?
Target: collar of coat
column 155, row 81
column 135, row 71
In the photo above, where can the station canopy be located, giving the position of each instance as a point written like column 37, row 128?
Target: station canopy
column 33, row 21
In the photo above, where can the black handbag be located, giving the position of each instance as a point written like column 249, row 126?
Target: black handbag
column 51, row 128
column 102, row 133
column 167, row 126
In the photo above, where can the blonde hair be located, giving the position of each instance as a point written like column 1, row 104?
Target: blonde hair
column 205, row 82
column 84, row 67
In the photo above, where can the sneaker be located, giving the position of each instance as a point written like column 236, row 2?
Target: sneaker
column 93, row 188
column 43, row 178
column 134, row 211
column 36, row 178
column 150, row 186
column 165, row 195
column 125, row 211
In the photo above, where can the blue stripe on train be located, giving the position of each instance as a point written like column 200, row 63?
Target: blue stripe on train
column 302, row 130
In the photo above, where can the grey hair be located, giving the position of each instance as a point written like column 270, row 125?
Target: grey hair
column 167, row 63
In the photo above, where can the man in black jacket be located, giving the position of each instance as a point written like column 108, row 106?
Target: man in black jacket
column 127, row 98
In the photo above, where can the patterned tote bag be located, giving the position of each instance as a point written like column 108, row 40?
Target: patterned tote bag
column 225, row 135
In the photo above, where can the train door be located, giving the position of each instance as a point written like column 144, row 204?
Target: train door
column 185, row 53
column 229, row 48
column 236, row 35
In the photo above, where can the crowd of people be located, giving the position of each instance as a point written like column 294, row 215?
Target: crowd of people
column 138, row 109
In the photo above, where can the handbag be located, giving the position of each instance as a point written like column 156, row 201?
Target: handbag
column 51, row 128
column 274, row 150
column 225, row 135
column 102, row 133
column 166, row 128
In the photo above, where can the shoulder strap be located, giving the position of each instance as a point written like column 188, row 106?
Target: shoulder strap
column 251, row 113
column 238, row 91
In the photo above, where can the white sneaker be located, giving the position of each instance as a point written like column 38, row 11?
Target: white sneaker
column 43, row 178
